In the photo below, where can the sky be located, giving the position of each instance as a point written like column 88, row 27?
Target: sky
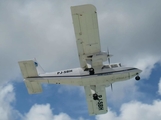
column 44, row 30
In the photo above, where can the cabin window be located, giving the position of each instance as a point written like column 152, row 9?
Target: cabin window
column 107, row 66
column 114, row 65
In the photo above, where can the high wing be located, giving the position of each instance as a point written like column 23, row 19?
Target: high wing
column 87, row 33
column 98, row 106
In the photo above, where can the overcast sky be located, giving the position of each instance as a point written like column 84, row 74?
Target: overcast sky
column 44, row 30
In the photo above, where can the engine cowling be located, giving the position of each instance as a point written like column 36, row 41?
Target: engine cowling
column 99, row 56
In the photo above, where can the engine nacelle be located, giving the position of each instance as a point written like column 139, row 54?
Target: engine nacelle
column 99, row 57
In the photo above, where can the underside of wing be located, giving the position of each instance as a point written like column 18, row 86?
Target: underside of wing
column 86, row 32
column 96, row 99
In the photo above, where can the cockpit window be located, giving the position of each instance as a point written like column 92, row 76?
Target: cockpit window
column 105, row 66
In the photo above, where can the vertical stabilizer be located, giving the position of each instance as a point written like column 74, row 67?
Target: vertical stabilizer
column 38, row 67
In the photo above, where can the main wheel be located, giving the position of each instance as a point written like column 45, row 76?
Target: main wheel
column 91, row 71
column 137, row 78
column 95, row 96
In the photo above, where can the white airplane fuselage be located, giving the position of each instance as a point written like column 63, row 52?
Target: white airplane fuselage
column 78, row 76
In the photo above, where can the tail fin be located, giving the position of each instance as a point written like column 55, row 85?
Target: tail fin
column 30, row 68
column 39, row 69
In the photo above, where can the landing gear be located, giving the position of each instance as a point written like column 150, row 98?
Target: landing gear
column 95, row 96
column 137, row 78
column 91, row 71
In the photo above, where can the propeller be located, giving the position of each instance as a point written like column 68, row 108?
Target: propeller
column 108, row 55
column 111, row 87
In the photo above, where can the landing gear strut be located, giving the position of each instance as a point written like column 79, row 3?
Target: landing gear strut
column 91, row 71
column 137, row 78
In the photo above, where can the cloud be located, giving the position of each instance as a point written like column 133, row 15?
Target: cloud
column 159, row 87
column 135, row 110
column 7, row 97
column 132, row 110
column 44, row 112
column 120, row 92
column 146, row 64
column 8, row 112
column 41, row 112
column 33, row 29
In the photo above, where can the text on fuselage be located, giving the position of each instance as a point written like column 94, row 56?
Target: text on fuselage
column 62, row 72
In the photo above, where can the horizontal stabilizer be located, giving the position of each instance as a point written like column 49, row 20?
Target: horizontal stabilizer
column 33, row 87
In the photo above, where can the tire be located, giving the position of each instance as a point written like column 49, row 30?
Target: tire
column 95, row 96
column 91, row 71
column 137, row 78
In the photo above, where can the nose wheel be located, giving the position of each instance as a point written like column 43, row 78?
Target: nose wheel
column 137, row 78
column 91, row 71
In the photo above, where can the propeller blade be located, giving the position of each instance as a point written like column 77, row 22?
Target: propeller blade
column 109, row 61
column 111, row 87
column 107, row 51
column 108, row 55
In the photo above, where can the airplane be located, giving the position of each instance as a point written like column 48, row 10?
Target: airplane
column 93, row 74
